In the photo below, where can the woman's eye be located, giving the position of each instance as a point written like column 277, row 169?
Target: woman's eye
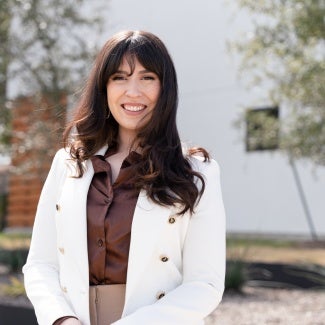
column 148, row 78
column 118, row 78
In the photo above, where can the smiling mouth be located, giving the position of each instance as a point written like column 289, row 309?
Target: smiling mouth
column 133, row 108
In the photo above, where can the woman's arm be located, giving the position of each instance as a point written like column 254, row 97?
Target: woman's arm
column 203, row 263
column 41, row 271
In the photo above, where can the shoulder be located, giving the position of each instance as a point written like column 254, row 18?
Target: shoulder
column 205, row 167
column 61, row 157
column 200, row 160
column 62, row 162
column 57, row 174
column 62, row 154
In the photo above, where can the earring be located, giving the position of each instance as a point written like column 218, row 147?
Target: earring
column 109, row 114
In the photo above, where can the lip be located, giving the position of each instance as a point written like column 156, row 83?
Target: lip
column 134, row 108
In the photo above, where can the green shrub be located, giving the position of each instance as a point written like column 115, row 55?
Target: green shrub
column 3, row 208
column 235, row 275
column 14, row 259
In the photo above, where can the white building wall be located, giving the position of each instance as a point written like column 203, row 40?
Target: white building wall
column 259, row 189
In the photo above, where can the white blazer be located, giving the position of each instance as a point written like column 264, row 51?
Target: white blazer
column 189, row 285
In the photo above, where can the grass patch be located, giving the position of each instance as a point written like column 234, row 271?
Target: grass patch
column 246, row 242
column 14, row 240
column 14, row 289
column 275, row 250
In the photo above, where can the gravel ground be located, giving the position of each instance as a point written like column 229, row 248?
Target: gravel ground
column 257, row 306
column 254, row 306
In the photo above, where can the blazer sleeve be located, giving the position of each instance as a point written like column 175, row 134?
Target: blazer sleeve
column 41, row 275
column 203, row 263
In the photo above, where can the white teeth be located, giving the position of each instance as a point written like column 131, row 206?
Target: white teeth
column 133, row 108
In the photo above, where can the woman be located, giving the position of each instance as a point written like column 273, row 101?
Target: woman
column 129, row 228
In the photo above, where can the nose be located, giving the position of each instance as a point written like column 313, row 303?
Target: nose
column 133, row 89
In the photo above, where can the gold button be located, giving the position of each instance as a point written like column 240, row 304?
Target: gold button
column 160, row 294
column 164, row 258
column 61, row 249
column 64, row 289
column 171, row 220
column 58, row 208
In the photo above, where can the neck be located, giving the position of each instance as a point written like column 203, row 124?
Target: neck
column 125, row 140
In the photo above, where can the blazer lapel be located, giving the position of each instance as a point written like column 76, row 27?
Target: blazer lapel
column 148, row 222
column 77, row 191
column 76, row 218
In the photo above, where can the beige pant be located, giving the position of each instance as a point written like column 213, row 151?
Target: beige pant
column 106, row 303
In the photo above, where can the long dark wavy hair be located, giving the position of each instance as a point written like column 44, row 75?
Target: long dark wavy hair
column 163, row 171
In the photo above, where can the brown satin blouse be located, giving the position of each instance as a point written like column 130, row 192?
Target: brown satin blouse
column 110, row 212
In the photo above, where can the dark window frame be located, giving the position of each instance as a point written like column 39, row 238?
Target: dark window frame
column 262, row 129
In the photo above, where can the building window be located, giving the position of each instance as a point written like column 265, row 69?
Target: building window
column 262, row 129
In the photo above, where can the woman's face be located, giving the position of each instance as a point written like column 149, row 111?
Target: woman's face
column 132, row 98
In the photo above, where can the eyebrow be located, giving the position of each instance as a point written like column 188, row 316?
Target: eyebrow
column 141, row 72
